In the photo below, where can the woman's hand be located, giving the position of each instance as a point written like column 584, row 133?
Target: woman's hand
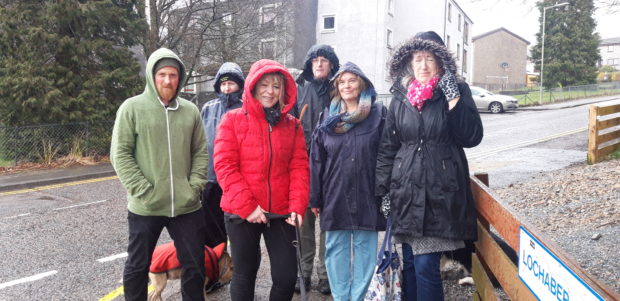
column 257, row 216
column 294, row 216
column 316, row 211
column 450, row 89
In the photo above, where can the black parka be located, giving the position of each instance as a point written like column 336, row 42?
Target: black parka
column 313, row 93
column 421, row 162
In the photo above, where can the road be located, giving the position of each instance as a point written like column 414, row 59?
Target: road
column 68, row 243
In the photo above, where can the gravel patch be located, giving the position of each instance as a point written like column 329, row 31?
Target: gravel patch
column 576, row 207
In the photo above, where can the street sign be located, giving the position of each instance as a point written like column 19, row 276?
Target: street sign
column 546, row 276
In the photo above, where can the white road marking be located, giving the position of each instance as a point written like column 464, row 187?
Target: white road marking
column 80, row 205
column 19, row 215
column 483, row 154
column 113, row 257
column 27, row 279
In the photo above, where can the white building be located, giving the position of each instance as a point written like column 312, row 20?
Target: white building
column 610, row 52
column 367, row 31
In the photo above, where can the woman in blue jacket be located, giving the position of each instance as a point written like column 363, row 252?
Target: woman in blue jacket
column 343, row 157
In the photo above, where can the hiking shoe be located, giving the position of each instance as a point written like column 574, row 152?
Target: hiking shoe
column 323, row 287
column 306, row 284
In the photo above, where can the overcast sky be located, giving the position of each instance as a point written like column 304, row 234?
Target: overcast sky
column 521, row 17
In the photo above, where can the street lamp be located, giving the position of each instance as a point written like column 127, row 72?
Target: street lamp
column 542, row 51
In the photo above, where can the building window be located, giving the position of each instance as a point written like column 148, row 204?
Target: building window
column 459, row 22
column 616, row 62
column 465, row 33
column 464, row 61
column 448, row 42
column 329, row 23
column 389, row 38
column 458, row 51
column 610, row 48
column 390, row 7
column 267, row 14
column 610, row 62
column 267, row 49
column 450, row 12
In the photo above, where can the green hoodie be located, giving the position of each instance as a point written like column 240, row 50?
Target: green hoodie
column 159, row 153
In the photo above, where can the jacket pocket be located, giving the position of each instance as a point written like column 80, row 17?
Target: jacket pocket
column 449, row 171
column 152, row 199
column 185, row 195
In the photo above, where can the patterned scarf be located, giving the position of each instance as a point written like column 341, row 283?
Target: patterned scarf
column 417, row 92
column 342, row 122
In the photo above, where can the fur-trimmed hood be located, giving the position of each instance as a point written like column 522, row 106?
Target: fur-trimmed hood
column 402, row 57
column 323, row 50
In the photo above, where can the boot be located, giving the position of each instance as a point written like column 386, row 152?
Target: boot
column 306, row 284
column 323, row 287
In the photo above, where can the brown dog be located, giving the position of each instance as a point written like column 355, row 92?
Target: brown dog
column 165, row 266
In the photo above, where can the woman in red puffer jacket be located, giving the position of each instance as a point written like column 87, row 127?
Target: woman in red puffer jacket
column 261, row 163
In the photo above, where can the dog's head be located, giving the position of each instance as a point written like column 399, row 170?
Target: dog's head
column 225, row 267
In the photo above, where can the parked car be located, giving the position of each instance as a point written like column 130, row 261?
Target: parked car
column 494, row 103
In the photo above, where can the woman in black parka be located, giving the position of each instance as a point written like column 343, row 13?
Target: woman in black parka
column 422, row 172
column 343, row 157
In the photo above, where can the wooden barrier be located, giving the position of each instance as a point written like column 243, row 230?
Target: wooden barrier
column 597, row 124
column 490, row 261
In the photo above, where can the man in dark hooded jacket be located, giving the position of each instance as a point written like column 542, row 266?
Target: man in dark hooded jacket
column 228, row 85
column 312, row 98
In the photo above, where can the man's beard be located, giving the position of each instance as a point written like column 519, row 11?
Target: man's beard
column 166, row 93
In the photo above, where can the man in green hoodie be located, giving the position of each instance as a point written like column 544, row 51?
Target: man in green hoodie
column 159, row 154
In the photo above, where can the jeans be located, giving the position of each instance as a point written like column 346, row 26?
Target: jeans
column 187, row 232
column 349, row 279
column 421, row 276
column 245, row 248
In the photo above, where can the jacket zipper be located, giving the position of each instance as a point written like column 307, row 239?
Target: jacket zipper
column 170, row 165
column 269, row 169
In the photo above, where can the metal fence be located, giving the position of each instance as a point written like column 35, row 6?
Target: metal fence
column 533, row 96
column 46, row 143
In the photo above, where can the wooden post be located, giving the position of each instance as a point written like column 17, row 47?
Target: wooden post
column 593, row 135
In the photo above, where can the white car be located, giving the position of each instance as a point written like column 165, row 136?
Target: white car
column 494, row 103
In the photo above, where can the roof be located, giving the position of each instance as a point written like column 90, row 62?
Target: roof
column 497, row 30
column 464, row 14
column 611, row 41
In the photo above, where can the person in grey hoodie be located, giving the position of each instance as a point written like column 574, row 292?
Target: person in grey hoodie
column 312, row 98
column 228, row 85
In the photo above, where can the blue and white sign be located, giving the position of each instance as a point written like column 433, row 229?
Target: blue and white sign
column 546, row 276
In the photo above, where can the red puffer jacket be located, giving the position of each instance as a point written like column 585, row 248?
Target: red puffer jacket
column 259, row 165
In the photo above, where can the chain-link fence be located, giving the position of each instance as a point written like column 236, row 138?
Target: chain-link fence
column 46, row 143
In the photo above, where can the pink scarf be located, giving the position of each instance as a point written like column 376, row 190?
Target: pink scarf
column 417, row 93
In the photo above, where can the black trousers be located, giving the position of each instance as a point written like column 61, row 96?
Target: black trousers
column 187, row 232
column 213, row 215
column 245, row 247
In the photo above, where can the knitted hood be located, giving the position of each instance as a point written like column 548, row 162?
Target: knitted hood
column 231, row 69
column 402, row 57
column 325, row 51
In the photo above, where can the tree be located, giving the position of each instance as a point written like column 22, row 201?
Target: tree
column 206, row 33
column 66, row 61
column 571, row 44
